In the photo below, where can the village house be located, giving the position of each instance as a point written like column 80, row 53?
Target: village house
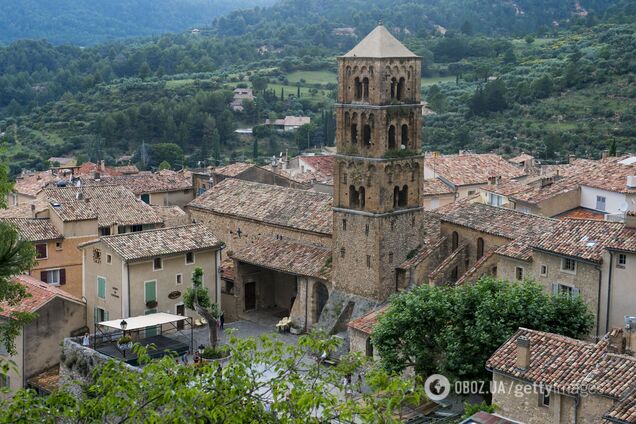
column 132, row 274
column 163, row 188
column 28, row 186
column 289, row 123
column 314, row 170
column 241, row 95
column 541, row 377
column 462, row 175
column 58, row 315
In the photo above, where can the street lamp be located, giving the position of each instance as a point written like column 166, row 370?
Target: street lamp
column 123, row 324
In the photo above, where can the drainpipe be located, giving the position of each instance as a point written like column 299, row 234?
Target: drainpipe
column 577, row 403
column 609, row 291
column 306, row 300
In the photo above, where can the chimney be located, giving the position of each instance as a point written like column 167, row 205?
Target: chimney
column 97, row 176
column 605, row 154
column 616, row 338
column 630, row 335
column 571, row 158
column 630, row 219
column 32, row 210
column 79, row 195
column 523, row 352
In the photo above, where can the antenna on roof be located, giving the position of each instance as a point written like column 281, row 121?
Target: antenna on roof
column 380, row 22
column 624, row 207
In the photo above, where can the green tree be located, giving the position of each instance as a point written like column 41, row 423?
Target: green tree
column 454, row 330
column 509, row 57
column 467, row 28
column 436, row 99
column 144, row 70
column 542, row 87
column 612, row 147
column 529, row 39
column 259, row 84
column 264, row 381
column 197, row 298
column 164, row 165
column 161, row 152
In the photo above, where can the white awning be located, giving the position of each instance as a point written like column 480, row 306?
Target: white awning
column 143, row 321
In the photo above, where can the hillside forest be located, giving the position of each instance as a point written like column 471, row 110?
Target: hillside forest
column 550, row 78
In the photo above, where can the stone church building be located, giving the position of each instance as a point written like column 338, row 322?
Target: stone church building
column 324, row 260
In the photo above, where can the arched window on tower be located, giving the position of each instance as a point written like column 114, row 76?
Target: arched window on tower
column 401, row 88
column 480, row 247
column 394, row 87
column 404, row 196
column 365, row 88
column 354, row 133
column 454, row 241
column 358, row 89
column 405, row 136
column 362, row 197
column 354, row 197
column 396, row 196
column 367, row 135
column 392, row 137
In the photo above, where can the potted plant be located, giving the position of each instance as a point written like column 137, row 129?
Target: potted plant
column 151, row 304
column 295, row 329
column 124, row 342
column 215, row 354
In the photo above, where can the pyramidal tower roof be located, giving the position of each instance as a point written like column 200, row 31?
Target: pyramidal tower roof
column 380, row 44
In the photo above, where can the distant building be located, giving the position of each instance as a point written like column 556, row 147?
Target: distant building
column 344, row 32
column 241, row 95
column 289, row 123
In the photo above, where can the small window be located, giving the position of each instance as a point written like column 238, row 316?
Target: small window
column 344, row 225
column 58, row 245
column 544, row 270
column 600, row 203
column 228, row 287
column 145, row 198
column 97, row 256
column 366, row 229
column 519, row 273
column 471, row 192
column 104, row 231
column 5, row 381
column 109, row 259
column 41, row 250
column 368, row 261
column 622, row 260
column 53, row 277
column 136, row 228
column 179, row 278
column 101, row 288
column 545, row 398
column 568, row 265
column 189, row 258
column 564, row 289
column 342, row 252
column 157, row 264
column 390, row 258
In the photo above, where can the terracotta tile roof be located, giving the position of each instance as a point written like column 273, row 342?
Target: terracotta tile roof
column 366, row 322
column 431, row 240
column 41, row 294
column 473, row 270
column 435, row 187
column 301, row 209
column 162, row 241
column 625, row 240
column 289, row 257
column 538, row 193
column 506, row 188
column 172, row 216
column 48, row 380
column 468, row 169
column 517, row 249
column 582, row 213
column 32, row 184
column 109, row 204
column 227, row 269
column 624, row 411
column 566, row 364
column 23, row 210
column 321, row 164
column 523, row 157
column 578, row 238
column 498, row 221
column 35, row 229
column 145, row 182
column 611, row 174
column 232, row 170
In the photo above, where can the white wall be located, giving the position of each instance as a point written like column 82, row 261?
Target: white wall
column 612, row 200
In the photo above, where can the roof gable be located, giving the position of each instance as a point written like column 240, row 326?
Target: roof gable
column 380, row 44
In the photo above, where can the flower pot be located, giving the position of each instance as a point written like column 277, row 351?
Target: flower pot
column 220, row 361
column 123, row 346
column 295, row 330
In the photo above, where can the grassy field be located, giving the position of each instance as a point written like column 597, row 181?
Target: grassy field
column 437, row 80
column 304, row 91
column 312, row 77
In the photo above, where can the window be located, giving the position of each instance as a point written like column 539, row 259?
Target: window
column 519, row 273
column 568, row 265
column 544, row 270
column 454, row 241
column 390, row 258
column 344, row 225
column 109, row 259
column 100, row 315
column 228, row 287
column 366, row 135
column 104, row 231
column 189, row 258
column 145, row 198
column 41, row 250
column 121, row 229
column 544, row 398
column 5, row 381
column 150, row 291
column 58, row 245
column 392, row 137
column 342, row 252
column 494, row 199
column 157, row 264
column 405, row 136
column 471, row 192
column 622, row 260
column 136, row 228
column 600, row 203
column 179, row 278
column 101, row 287
column 55, row 277
column 368, row 261
column 97, row 256
column 569, row 291
column 480, row 247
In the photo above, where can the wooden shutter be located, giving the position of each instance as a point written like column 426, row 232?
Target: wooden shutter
column 44, row 276
column 41, row 250
column 62, row 276
column 576, row 292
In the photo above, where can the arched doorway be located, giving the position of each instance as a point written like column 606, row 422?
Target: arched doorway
column 321, row 295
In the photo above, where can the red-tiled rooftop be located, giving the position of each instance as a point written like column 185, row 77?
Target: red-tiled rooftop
column 366, row 322
column 435, row 187
column 233, row 169
column 582, row 213
column 323, row 164
column 40, row 293
column 623, row 411
column 470, row 168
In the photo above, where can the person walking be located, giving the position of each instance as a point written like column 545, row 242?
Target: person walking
column 86, row 341
column 222, row 320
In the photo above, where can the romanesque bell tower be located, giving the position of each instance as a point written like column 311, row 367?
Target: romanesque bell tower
column 377, row 182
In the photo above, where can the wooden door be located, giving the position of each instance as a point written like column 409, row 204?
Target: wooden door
column 250, row 296
column 180, row 311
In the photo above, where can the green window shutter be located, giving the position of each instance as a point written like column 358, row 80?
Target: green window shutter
column 101, row 288
column 106, row 317
column 95, row 316
column 151, row 291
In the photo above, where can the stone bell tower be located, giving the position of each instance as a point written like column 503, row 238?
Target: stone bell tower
column 377, row 180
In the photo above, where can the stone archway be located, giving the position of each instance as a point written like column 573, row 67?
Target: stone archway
column 320, row 295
